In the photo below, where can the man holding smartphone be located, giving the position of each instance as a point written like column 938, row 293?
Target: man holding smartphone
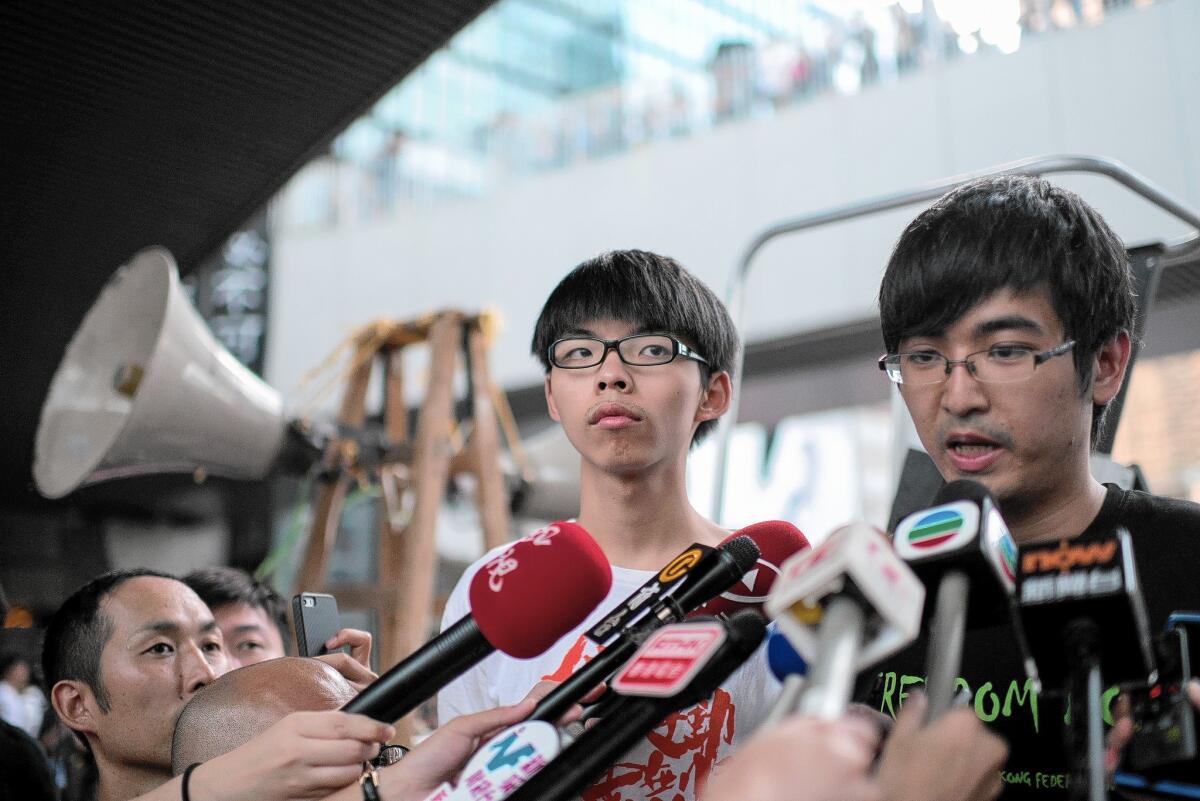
column 124, row 654
column 252, row 617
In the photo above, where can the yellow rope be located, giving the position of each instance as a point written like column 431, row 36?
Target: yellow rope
column 364, row 343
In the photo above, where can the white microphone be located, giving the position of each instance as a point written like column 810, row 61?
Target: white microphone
column 845, row 605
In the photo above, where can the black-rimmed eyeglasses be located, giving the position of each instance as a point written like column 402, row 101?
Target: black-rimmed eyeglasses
column 638, row 350
column 999, row 364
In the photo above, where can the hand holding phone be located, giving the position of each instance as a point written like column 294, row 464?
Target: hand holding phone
column 316, row 619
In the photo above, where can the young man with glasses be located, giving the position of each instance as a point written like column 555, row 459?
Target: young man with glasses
column 1006, row 310
column 637, row 354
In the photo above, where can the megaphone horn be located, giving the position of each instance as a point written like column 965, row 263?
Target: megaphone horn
column 144, row 387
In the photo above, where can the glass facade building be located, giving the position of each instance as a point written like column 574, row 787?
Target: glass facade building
column 533, row 86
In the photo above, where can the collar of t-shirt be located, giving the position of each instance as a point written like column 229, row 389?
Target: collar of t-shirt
column 1106, row 519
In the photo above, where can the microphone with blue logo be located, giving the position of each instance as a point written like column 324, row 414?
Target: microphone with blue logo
column 962, row 547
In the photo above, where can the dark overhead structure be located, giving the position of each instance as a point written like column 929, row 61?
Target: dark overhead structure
column 171, row 123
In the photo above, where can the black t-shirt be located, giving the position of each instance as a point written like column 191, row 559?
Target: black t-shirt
column 1166, row 544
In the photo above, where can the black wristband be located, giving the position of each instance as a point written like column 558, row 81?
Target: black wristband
column 187, row 774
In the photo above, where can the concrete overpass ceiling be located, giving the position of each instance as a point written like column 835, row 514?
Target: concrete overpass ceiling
column 170, row 123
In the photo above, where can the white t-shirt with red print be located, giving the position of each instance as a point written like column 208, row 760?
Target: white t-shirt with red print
column 674, row 757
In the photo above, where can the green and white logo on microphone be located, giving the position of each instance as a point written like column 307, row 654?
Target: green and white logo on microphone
column 937, row 530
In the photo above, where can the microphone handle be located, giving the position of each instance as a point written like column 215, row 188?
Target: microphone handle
column 580, row 763
column 581, row 682
column 789, row 698
column 946, row 642
column 430, row 668
column 608, row 700
column 717, row 572
column 604, row 705
column 1086, row 732
column 831, row 679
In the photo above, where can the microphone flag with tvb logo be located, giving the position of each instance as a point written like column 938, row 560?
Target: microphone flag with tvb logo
column 965, row 534
column 935, row 528
column 938, row 530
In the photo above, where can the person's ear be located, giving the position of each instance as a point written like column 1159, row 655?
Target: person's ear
column 716, row 398
column 550, row 406
column 76, row 706
column 1109, row 366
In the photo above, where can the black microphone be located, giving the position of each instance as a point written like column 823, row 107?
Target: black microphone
column 1066, row 591
column 777, row 541
column 716, row 571
column 522, row 601
column 678, row 666
column 962, row 547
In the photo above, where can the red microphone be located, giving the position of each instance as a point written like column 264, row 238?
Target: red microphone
column 531, row 582
column 776, row 540
column 522, row 601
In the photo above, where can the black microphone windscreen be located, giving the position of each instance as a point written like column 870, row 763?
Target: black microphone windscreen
column 964, row 489
column 744, row 551
column 747, row 626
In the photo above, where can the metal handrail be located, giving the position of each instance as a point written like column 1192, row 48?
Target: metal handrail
column 1041, row 165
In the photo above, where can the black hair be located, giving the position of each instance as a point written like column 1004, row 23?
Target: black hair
column 79, row 629
column 647, row 290
column 1014, row 232
column 218, row 586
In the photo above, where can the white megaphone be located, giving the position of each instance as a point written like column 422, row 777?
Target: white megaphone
column 144, row 387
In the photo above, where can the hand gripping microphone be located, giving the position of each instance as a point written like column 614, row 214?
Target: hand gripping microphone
column 845, row 605
column 522, row 602
column 676, row 667
column 715, row 571
column 1067, row 590
column 962, row 547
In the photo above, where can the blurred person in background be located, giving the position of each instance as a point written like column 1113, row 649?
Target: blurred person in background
column 21, row 701
column 23, row 768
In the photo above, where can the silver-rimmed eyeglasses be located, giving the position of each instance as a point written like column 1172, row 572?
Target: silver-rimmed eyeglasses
column 638, row 350
column 999, row 364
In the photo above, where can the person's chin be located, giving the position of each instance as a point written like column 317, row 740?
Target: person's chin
column 622, row 459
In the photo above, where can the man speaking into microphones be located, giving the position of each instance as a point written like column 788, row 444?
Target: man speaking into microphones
column 1007, row 309
column 637, row 354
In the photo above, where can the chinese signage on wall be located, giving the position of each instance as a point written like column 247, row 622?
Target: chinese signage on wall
column 230, row 291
